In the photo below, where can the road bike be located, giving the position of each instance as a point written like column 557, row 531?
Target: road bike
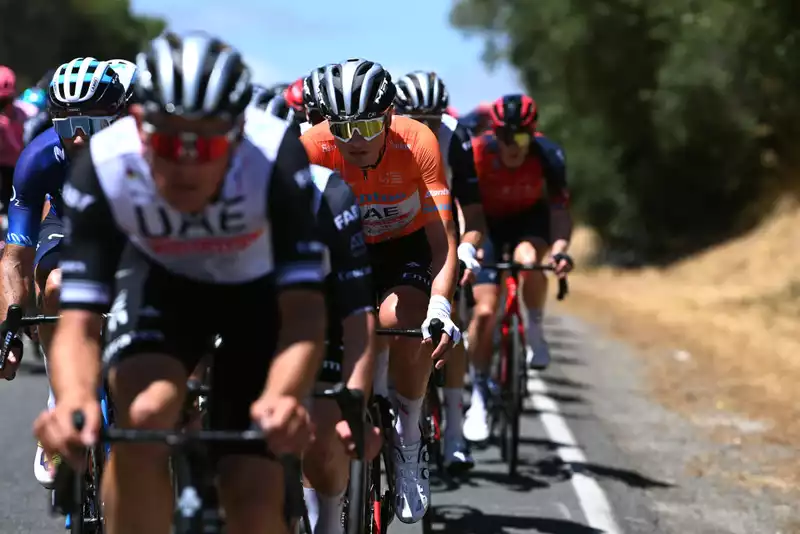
column 510, row 372
column 430, row 422
column 88, row 517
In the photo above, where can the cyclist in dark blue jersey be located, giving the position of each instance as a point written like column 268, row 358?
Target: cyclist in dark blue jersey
column 84, row 96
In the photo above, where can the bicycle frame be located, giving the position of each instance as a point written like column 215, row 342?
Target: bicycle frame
column 510, row 311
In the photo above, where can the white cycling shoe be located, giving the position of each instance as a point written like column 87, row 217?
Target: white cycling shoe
column 457, row 458
column 41, row 464
column 476, row 423
column 413, row 482
column 538, row 356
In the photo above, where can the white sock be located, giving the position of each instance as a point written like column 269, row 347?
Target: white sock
column 330, row 514
column 312, row 507
column 380, row 382
column 534, row 333
column 406, row 424
column 51, row 398
column 477, row 402
column 454, row 415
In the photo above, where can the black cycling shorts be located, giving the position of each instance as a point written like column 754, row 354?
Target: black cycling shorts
column 156, row 311
column 504, row 234
column 405, row 261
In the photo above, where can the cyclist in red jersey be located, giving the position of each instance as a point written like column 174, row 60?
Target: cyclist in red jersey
column 522, row 180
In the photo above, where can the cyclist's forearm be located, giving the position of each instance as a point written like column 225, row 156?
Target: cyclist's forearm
column 444, row 262
column 560, row 229
column 73, row 363
column 359, row 351
column 301, row 341
column 474, row 225
column 15, row 278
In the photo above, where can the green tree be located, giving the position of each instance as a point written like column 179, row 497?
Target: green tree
column 677, row 116
column 37, row 35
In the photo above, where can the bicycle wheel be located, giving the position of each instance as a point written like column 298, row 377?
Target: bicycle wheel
column 76, row 519
column 94, row 520
column 356, row 517
column 514, row 400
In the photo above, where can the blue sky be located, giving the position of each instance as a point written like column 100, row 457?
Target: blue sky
column 284, row 40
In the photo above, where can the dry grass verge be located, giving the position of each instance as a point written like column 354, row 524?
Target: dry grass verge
column 721, row 333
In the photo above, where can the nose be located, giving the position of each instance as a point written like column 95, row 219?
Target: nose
column 358, row 141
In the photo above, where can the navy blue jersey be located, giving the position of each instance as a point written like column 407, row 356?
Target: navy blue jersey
column 40, row 172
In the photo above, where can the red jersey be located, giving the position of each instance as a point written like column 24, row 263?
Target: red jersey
column 506, row 191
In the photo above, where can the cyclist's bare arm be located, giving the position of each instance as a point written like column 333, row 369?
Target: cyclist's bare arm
column 560, row 228
column 359, row 348
column 300, row 270
column 74, row 360
column 16, row 274
column 300, row 344
column 474, row 224
column 437, row 207
column 444, row 260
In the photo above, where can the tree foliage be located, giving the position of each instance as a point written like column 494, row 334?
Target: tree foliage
column 37, row 35
column 679, row 117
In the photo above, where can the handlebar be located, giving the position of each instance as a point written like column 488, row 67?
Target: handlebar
column 516, row 268
column 9, row 330
column 436, row 328
column 67, row 483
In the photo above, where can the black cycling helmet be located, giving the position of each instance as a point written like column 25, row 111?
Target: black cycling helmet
column 193, row 75
column 421, row 92
column 312, row 107
column 353, row 90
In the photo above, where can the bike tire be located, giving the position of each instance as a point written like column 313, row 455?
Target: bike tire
column 516, row 397
column 77, row 525
column 95, row 500
column 356, row 509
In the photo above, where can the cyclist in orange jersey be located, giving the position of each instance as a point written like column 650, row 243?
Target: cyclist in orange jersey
column 394, row 167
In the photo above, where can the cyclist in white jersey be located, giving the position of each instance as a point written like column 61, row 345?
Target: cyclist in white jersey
column 423, row 96
column 185, row 226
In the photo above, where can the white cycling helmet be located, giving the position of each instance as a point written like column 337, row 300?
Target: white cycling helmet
column 85, row 84
column 127, row 74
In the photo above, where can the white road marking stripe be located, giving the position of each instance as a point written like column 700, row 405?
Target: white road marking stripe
column 590, row 495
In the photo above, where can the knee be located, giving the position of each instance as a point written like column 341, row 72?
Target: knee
column 249, row 486
column 324, row 449
column 52, row 291
column 484, row 312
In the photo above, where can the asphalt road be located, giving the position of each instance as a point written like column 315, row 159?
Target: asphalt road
column 590, row 411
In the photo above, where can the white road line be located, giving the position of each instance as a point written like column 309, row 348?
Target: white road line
column 590, row 495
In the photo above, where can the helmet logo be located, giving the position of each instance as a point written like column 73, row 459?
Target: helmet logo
column 241, row 86
column 382, row 90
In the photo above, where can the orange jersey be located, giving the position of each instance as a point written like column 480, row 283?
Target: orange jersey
column 404, row 192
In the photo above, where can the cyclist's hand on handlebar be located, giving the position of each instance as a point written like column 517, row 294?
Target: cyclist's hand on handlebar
column 286, row 423
column 563, row 264
column 372, row 440
column 450, row 337
column 9, row 370
column 57, row 433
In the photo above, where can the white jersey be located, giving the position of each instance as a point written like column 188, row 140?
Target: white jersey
column 259, row 225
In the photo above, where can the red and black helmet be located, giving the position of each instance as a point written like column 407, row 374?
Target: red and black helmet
column 293, row 95
column 514, row 113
